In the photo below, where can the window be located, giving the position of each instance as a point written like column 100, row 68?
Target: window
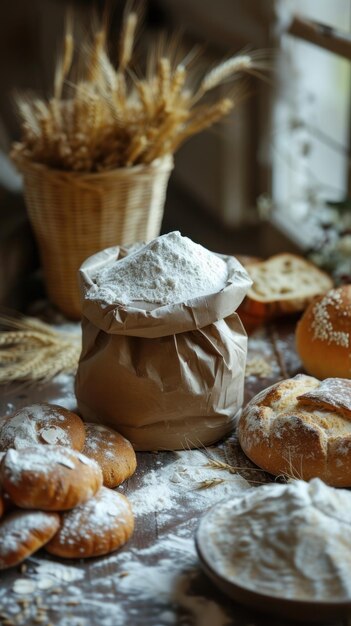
column 311, row 137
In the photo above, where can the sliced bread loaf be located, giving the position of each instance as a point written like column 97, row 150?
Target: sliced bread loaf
column 284, row 283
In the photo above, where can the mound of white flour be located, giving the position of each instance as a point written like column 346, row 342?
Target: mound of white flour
column 170, row 269
column 290, row 541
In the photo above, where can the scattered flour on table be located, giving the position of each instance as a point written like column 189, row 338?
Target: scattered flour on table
column 64, row 392
column 57, row 572
column 170, row 269
column 261, row 359
column 286, row 346
column 162, row 579
column 284, row 540
column 60, row 391
column 185, row 479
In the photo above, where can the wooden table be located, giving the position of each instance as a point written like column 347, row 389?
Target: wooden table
column 156, row 579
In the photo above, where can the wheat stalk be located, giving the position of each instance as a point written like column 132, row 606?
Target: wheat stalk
column 64, row 66
column 176, row 83
column 135, row 149
column 32, row 350
column 97, row 50
column 232, row 469
column 127, row 41
column 225, row 70
column 114, row 118
column 202, row 119
column 211, row 482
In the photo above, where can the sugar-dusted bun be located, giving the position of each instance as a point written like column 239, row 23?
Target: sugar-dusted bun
column 111, row 451
column 323, row 335
column 99, row 526
column 301, row 427
column 42, row 423
column 25, row 532
column 50, row 478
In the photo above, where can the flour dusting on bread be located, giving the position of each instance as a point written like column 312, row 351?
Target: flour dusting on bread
column 301, row 427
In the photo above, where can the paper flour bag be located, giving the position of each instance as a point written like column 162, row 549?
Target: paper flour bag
column 164, row 353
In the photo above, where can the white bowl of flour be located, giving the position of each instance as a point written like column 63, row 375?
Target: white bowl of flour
column 284, row 549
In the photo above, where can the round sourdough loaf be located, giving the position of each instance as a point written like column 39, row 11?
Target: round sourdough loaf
column 323, row 335
column 42, row 423
column 51, row 478
column 112, row 452
column 25, row 532
column 99, row 526
column 301, row 427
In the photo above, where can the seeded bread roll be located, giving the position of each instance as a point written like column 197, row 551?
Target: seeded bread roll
column 99, row 526
column 301, row 427
column 323, row 335
column 50, row 478
column 42, row 423
column 113, row 453
column 25, row 532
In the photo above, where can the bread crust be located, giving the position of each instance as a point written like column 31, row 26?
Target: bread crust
column 50, row 478
column 24, row 532
column 99, row 526
column 285, row 431
column 42, row 423
column 323, row 335
column 113, row 453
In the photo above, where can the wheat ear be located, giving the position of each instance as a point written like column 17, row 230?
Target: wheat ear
column 225, row 70
column 32, row 350
column 137, row 146
column 64, row 66
column 177, row 82
column 200, row 121
column 127, row 40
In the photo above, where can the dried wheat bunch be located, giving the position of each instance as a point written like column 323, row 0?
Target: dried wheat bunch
column 110, row 117
column 31, row 350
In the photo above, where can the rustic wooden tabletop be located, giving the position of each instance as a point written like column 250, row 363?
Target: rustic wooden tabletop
column 156, row 579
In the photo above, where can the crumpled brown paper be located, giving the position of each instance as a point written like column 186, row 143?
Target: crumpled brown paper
column 166, row 377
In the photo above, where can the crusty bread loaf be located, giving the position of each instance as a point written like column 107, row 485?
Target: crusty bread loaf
column 323, row 335
column 284, row 283
column 301, row 427
column 50, row 478
column 99, row 526
column 112, row 452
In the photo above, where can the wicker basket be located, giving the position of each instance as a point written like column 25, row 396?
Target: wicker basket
column 75, row 215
